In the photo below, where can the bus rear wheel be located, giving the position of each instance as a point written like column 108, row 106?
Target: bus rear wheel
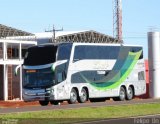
column 122, row 95
column 130, row 93
column 73, row 97
column 83, row 96
column 43, row 103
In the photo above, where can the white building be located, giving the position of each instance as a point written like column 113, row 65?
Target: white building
column 11, row 55
column 13, row 44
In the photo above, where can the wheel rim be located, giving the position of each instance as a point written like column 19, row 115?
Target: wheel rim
column 73, row 96
column 130, row 93
column 122, row 95
column 84, row 95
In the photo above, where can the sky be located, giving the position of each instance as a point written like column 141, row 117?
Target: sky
column 138, row 17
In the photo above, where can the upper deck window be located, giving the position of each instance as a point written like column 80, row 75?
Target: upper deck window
column 64, row 51
column 40, row 55
column 96, row 52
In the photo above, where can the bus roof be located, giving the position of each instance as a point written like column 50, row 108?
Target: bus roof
column 99, row 44
column 107, row 44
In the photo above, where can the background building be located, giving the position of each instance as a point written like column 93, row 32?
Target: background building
column 11, row 55
column 13, row 45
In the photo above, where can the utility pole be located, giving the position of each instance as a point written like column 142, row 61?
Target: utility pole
column 117, row 19
column 54, row 33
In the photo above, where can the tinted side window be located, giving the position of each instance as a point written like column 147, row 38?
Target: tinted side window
column 40, row 55
column 96, row 52
column 64, row 51
column 61, row 72
column 141, row 75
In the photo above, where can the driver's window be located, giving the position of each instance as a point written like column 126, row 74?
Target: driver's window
column 61, row 72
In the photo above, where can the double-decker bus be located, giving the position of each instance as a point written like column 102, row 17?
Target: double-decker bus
column 83, row 71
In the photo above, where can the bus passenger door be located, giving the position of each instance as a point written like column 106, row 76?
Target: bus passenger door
column 61, row 81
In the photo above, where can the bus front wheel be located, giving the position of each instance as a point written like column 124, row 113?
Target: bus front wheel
column 43, row 103
column 73, row 97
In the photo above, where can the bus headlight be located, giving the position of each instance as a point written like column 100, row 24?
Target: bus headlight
column 50, row 91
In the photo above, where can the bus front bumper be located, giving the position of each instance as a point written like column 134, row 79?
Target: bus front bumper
column 37, row 95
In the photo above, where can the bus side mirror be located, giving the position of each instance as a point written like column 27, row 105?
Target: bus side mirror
column 53, row 67
column 16, row 70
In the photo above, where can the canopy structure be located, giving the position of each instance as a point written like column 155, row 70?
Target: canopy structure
column 6, row 31
column 87, row 36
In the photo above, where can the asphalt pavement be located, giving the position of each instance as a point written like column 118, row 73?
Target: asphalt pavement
column 75, row 106
column 147, row 119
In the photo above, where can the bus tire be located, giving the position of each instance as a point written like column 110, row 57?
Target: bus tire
column 122, row 95
column 130, row 93
column 54, row 102
column 83, row 97
column 73, row 97
column 43, row 103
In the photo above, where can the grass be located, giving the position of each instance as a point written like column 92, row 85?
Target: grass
column 84, row 114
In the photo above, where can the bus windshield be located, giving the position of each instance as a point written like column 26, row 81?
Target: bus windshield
column 40, row 55
column 39, row 78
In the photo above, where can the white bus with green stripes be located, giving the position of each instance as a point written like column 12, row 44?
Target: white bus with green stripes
column 77, row 72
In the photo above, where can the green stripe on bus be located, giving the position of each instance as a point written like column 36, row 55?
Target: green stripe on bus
column 121, row 76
